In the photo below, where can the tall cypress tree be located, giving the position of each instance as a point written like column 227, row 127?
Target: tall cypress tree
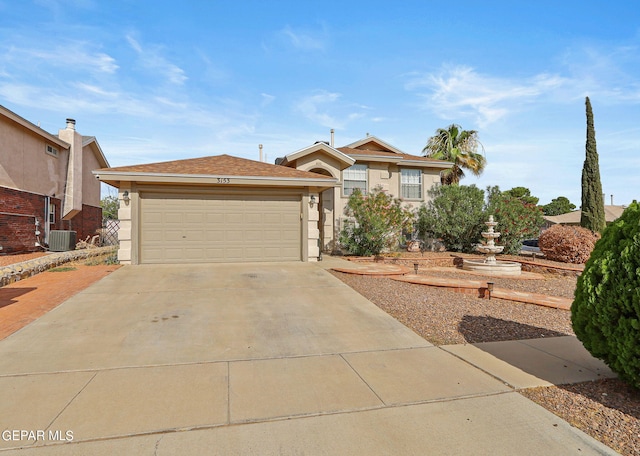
column 592, row 198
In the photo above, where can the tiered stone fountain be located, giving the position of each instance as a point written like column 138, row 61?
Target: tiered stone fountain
column 490, row 265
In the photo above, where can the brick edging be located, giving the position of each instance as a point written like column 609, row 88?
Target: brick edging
column 15, row 272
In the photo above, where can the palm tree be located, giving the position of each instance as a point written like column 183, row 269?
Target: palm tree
column 459, row 147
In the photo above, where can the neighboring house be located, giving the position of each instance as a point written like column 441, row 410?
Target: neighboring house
column 230, row 209
column 611, row 213
column 46, row 183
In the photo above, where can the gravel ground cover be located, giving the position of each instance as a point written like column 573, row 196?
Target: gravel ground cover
column 608, row 410
column 444, row 317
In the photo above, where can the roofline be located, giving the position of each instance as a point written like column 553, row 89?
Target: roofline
column 112, row 176
column 362, row 141
column 340, row 156
column 32, row 127
column 385, row 158
column 101, row 157
column 425, row 163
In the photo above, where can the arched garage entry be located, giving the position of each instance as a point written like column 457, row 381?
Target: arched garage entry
column 326, row 211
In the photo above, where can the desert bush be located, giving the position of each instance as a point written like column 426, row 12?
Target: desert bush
column 455, row 214
column 375, row 223
column 606, row 310
column 568, row 244
column 517, row 219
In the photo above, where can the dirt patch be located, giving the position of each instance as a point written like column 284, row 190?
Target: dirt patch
column 6, row 260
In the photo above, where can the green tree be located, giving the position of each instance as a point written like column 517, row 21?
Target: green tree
column 558, row 206
column 605, row 313
column 592, row 199
column 459, row 147
column 377, row 222
column 517, row 220
column 110, row 207
column 523, row 194
column 454, row 214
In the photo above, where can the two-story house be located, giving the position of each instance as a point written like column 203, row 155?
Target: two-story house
column 46, row 183
column 364, row 165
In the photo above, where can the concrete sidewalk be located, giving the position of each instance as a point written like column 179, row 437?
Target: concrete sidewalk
column 278, row 358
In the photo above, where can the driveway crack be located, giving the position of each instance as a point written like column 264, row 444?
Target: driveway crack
column 72, row 399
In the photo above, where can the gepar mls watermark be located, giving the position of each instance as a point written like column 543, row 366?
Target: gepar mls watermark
column 36, row 435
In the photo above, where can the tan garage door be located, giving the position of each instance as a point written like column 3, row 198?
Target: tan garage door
column 219, row 228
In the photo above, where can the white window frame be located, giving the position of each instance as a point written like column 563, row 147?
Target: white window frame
column 52, row 213
column 51, row 150
column 408, row 183
column 356, row 176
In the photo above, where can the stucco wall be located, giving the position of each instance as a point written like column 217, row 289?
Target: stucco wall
column 25, row 165
column 90, row 185
column 388, row 177
column 72, row 203
column 319, row 160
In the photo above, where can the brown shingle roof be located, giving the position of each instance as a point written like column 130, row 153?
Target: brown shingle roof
column 219, row 165
column 611, row 213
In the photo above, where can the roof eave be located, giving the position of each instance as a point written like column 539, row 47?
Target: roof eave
column 362, row 141
column 112, row 178
column 92, row 141
column 34, row 128
column 426, row 164
column 376, row 158
column 331, row 151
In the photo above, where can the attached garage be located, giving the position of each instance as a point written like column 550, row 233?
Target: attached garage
column 217, row 209
column 202, row 228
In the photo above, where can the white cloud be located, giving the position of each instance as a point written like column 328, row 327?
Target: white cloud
column 152, row 59
column 74, row 56
column 328, row 110
column 95, row 90
column 266, row 99
column 304, row 40
column 314, row 108
column 461, row 91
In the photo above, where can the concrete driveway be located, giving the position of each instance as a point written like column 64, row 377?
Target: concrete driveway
column 275, row 358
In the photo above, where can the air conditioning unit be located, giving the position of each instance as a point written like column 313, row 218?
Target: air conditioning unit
column 62, row 241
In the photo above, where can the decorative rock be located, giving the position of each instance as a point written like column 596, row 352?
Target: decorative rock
column 19, row 271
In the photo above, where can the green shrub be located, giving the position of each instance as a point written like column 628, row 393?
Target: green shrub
column 568, row 244
column 376, row 222
column 455, row 215
column 517, row 219
column 606, row 310
column 106, row 260
column 63, row 269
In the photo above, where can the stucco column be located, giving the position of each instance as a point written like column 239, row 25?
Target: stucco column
column 313, row 236
column 124, row 216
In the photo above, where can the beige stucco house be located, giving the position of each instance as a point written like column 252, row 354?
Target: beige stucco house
column 229, row 209
column 364, row 164
column 46, row 183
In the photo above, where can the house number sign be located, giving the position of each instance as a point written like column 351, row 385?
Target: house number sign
column 223, row 180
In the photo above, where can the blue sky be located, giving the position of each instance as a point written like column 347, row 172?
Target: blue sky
column 158, row 81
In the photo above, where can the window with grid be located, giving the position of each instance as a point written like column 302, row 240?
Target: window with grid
column 411, row 183
column 52, row 213
column 354, row 177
